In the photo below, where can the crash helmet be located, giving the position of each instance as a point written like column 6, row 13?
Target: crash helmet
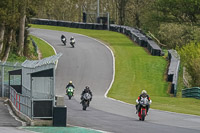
column 72, row 37
column 70, row 82
column 144, row 92
column 87, row 87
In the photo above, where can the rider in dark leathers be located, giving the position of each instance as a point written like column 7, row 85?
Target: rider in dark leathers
column 72, row 38
column 138, row 106
column 63, row 39
column 86, row 90
column 62, row 36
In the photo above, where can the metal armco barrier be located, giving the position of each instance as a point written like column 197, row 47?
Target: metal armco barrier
column 172, row 75
column 139, row 37
column 34, row 45
column 193, row 92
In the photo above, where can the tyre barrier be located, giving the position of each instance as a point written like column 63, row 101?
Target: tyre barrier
column 82, row 25
column 139, row 37
column 193, row 92
column 134, row 34
column 173, row 69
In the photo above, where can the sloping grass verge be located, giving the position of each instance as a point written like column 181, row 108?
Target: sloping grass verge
column 44, row 48
column 29, row 53
column 136, row 70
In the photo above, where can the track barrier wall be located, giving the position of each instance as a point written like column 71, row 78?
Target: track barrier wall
column 173, row 69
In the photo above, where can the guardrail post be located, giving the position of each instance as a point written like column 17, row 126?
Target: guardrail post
column 108, row 21
column 16, row 100
column 19, row 102
column 2, row 79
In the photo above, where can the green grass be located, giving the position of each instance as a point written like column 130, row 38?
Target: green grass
column 30, row 53
column 14, row 57
column 180, row 85
column 136, row 70
column 44, row 48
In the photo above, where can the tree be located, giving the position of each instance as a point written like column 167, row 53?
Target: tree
column 8, row 45
column 22, row 10
column 174, row 35
column 181, row 11
column 136, row 9
column 121, row 6
column 2, row 31
column 8, row 19
column 190, row 56
column 3, row 11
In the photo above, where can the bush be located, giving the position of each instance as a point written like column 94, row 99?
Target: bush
column 190, row 56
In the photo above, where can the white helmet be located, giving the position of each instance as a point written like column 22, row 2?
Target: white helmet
column 144, row 91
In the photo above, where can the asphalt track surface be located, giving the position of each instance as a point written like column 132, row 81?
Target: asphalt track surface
column 8, row 124
column 91, row 63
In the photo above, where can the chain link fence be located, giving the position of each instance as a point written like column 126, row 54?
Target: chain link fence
column 5, row 67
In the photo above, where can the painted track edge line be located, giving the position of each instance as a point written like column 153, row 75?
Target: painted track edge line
column 105, row 95
column 50, row 46
column 113, row 77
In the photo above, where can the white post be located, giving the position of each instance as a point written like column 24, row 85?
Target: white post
column 54, row 86
column 108, row 21
column 31, row 90
column 97, row 10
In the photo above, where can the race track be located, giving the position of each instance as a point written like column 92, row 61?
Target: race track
column 91, row 63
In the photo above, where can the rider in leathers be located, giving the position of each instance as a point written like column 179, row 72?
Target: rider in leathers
column 86, row 90
column 72, row 38
column 138, row 106
column 70, row 84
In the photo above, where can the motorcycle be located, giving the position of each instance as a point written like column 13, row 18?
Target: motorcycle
column 70, row 92
column 72, row 42
column 63, row 39
column 86, row 100
column 144, row 102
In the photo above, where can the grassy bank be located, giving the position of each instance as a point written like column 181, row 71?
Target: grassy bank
column 136, row 70
column 44, row 48
column 29, row 53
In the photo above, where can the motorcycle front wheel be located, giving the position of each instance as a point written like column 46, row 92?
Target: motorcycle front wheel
column 143, row 115
column 85, row 104
column 69, row 97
